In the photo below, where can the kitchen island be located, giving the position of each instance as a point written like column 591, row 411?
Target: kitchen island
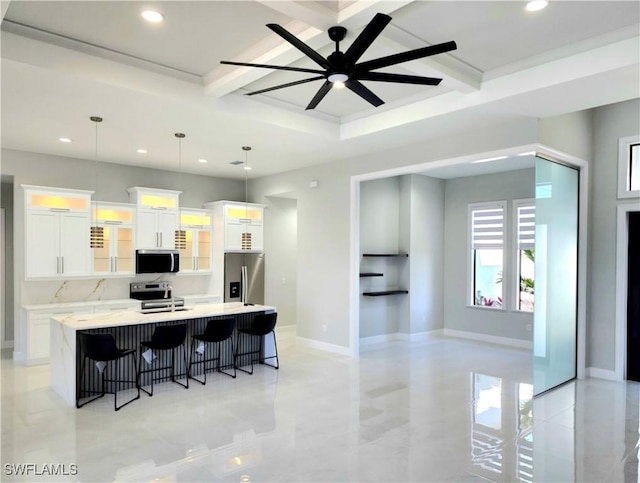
column 129, row 328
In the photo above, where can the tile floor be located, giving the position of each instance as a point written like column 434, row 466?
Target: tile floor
column 440, row 410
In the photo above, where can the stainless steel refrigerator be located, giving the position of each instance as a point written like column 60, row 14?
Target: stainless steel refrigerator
column 244, row 278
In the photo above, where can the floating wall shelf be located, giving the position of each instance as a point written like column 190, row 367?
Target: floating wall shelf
column 380, row 293
column 386, row 292
column 385, row 254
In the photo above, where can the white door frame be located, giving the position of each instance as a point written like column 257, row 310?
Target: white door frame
column 537, row 149
column 622, row 260
column 3, row 277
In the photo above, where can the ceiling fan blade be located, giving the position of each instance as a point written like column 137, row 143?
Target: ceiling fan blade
column 289, row 84
column 277, row 67
column 399, row 78
column 405, row 56
column 326, row 87
column 300, row 45
column 366, row 38
column 363, row 92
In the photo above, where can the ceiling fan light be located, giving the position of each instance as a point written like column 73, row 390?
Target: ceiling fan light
column 338, row 85
column 535, row 5
column 334, row 78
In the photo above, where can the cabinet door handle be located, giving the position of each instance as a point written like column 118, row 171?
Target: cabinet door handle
column 112, row 222
column 160, row 239
column 115, row 264
column 57, row 264
column 244, row 220
column 158, row 207
column 59, row 209
column 193, row 260
column 62, row 264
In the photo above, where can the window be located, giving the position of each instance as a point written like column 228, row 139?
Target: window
column 525, row 215
column 629, row 167
column 487, row 253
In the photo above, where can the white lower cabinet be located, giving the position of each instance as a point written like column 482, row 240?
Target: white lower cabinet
column 37, row 324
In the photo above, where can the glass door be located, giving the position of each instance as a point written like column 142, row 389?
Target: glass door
column 556, row 275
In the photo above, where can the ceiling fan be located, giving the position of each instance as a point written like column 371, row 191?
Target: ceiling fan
column 342, row 67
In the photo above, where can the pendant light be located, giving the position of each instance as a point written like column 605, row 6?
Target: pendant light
column 96, row 238
column 246, row 237
column 180, row 234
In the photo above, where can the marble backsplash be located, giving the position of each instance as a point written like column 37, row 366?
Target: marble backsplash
column 85, row 290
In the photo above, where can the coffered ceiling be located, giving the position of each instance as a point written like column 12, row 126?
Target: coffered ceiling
column 65, row 61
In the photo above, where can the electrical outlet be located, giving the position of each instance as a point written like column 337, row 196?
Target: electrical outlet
column 529, row 328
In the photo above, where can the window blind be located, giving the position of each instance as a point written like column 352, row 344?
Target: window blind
column 526, row 227
column 487, row 227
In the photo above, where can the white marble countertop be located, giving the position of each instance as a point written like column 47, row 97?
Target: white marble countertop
column 98, row 303
column 78, row 305
column 133, row 317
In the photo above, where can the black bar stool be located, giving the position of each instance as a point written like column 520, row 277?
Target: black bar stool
column 261, row 325
column 216, row 332
column 103, row 348
column 165, row 338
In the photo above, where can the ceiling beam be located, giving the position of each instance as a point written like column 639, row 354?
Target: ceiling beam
column 458, row 75
column 4, row 6
column 312, row 21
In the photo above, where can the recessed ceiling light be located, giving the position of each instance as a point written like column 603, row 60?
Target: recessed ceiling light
column 535, row 5
column 141, row 151
column 247, row 168
column 488, row 159
column 65, row 140
column 202, row 161
column 152, row 16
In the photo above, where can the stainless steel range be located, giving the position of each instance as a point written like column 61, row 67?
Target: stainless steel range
column 156, row 297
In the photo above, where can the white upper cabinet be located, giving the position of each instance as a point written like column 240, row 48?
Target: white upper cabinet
column 194, row 240
column 57, row 232
column 113, row 251
column 157, row 217
column 242, row 223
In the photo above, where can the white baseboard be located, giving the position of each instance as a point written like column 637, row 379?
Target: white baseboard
column 286, row 329
column 378, row 339
column 602, row 374
column 415, row 337
column 493, row 339
column 324, row 346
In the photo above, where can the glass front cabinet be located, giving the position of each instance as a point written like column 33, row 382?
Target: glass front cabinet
column 112, row 239
column 193, row 241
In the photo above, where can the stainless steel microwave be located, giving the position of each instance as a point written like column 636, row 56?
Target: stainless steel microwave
column 157, row 261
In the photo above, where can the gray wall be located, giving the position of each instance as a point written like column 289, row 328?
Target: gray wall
column 324, row 217
column 6, row 196
column 458, row 194
column 570, row 133
column 609, row 124
column 281, row 262
column 323, row 247
column 379, row 233
column 403, row 214
column 425, row 234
